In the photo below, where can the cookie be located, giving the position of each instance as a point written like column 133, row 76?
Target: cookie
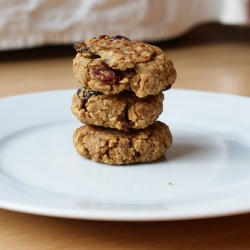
column 121, row 111
column 113, row 64
column 111, row 146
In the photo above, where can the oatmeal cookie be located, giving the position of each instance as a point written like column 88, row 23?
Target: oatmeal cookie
column 113, row 64
column 121, row 111
column 111, row 146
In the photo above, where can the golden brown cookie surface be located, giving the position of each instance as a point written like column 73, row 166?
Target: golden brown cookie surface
column 121, row 111
column 111, row 146
column 113, row 64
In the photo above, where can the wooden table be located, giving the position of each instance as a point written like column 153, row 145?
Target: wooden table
column 210, row 58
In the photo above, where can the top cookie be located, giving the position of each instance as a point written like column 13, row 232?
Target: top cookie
column 113, row 64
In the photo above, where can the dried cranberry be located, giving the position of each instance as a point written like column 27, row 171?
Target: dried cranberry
column 102, row 36
column 107, row 74
column 118, row 37
column 84, row 94
column 90, row 93
column 105, row 63
column 104, row 74
column 126, row 126
column 126, row 123
column 78, row 94
column 81, row 47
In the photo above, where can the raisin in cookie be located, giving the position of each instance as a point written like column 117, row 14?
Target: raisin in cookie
column 111, row 146
column 113, row 64
column 121, row 111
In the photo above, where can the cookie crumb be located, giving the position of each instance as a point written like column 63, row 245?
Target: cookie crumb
column 170, row 183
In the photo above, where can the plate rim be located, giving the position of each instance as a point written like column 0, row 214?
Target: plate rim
column 138, row 216
column 116, row 215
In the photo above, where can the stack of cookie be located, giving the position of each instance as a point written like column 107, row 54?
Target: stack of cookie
column 120, row 100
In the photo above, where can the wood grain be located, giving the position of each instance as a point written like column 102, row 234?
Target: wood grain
column 23, row 231
column 211, row 58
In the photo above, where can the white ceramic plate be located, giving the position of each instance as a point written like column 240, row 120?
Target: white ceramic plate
column 206, row 173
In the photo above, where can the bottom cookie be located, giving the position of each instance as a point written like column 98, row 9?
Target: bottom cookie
column 111, row 146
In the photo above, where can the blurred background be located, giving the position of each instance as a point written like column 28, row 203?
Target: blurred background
column 208, row 40
column 209, row 43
